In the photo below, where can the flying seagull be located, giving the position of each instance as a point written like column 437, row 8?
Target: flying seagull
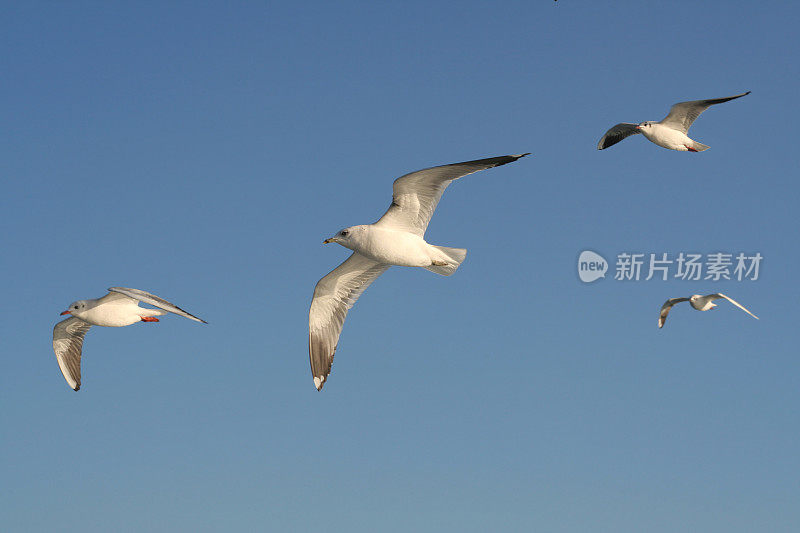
column 672, row 131
column 120, row 307
column 395, row 239
column 701, row 303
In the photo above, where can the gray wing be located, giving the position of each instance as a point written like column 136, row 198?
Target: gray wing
column 682, row 114
column 152, row 299
column 616, row 134
column 333, row 296
column 662, row 317
column 416, row 195
column 718, row 295
column 67, row 344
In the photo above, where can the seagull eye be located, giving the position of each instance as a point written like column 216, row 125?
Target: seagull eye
column 344, row 233
column 76, row 307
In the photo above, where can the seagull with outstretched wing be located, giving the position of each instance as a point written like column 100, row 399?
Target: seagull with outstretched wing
column 395, row 239
column 120, row 307
column 672, row 131
column 701, row 303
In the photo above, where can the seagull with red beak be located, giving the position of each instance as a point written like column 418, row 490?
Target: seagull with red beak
column 120, row 307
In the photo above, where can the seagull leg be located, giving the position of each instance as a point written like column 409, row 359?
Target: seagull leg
column 149, row 319
column 434, row 262
column 690, row 148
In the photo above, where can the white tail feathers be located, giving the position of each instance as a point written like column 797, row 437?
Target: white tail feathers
column 454, row 258
column 700, row 147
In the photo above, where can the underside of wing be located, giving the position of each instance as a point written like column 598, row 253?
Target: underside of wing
column 719, row 295
column 683, row 114
column 334, row 295
column 665, row 309
column 616, row 134
column 416, row 195
column 67, row 344
column 155, row 301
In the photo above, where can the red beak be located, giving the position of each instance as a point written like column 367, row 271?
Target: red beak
column 66, row 313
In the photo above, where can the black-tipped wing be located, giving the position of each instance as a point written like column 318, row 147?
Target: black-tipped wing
column 416, row 195
column 67, row 345
column 334, row 295
column 718, row 295
column 682, row 114
column 616, row 134
column 152, row 299
column 662, row 317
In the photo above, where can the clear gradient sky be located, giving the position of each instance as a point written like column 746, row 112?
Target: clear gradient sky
column 203, row 150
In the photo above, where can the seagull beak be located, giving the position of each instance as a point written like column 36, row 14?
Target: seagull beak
column 66, row 313
column 638, row 127
column 327, row 241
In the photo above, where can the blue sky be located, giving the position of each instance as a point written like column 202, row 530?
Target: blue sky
column 203, row 151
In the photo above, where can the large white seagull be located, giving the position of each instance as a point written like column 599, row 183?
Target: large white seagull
column 395, row 239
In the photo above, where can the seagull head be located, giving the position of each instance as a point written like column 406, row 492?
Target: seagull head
column 345, row 237
column 644, row 126
column 75, row 308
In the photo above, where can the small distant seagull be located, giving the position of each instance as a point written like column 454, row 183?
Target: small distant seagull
column 120, row 307
column 395, row 239
column 672, row 132
column 701, row 303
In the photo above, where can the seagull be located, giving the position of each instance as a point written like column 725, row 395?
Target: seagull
column 672, row 131
column 120, row 307
column 701, row 303
column 396, row 239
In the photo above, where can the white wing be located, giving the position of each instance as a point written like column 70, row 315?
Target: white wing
column 617, row 133
column 151, row 299
column 333, row 296
column 416, row 195
column 662, row 317
column 718, row 295
column 67, row 344
column 682, row 114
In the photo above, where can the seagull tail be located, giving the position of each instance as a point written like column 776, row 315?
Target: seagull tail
column 454, row 258
column 700, row 147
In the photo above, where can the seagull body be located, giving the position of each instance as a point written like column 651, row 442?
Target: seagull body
column 120, row 307
column 672, row 131
column 112, row 310
column 396, row 239
column 701, row 303
column 391, row 246
column 669, row 138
